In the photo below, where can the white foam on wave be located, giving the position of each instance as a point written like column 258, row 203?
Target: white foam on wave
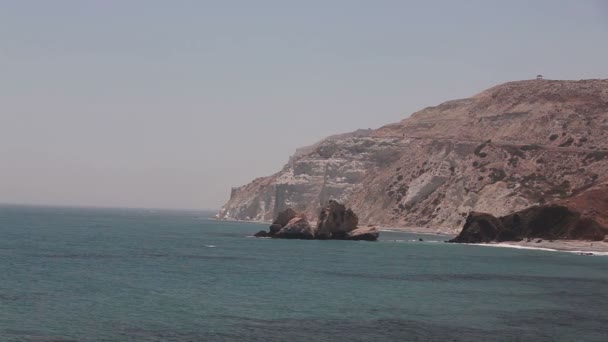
column 506, row 245
column 210, row 246
column 413, row 240
column 587, row 252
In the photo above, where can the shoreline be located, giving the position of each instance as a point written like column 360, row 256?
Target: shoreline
column 570, row 246
column 599, row 248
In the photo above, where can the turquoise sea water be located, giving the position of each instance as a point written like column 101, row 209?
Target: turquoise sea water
column 136, row 275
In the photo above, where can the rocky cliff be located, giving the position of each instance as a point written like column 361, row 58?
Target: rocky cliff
column 584, row 216
column 507, row 148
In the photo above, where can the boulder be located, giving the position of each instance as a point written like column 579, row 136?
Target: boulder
column 296, row 228
column 363, row 234
column 335, row 220
column 261, row 233
column 282, row 220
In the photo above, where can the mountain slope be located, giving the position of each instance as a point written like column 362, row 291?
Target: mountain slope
column 509, row 147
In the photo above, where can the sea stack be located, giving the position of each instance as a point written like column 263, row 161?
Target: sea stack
column 335, row 222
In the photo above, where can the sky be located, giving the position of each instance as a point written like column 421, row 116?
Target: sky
column 168, row 104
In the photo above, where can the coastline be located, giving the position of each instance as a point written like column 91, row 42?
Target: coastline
column 570, row 246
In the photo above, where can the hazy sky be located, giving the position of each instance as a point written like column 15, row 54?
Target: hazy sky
column 170, row 103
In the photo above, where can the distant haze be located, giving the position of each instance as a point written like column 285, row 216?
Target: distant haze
column 170, row 103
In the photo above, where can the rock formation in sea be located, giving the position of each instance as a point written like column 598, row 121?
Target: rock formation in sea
column 335, row 222
column 513, row 146
column 584, row 216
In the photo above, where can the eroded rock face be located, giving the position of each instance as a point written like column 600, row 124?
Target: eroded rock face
column 284, row 217
column 363, row 234
column 583, row 217
column 335, row 222
column 275, row 228
column 510, row 147
column 296, row 228
column 289, row 224
column 479, row 228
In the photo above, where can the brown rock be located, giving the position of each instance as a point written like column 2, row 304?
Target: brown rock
column 288, row 218
column 583, row 217
column 297, row 228
column 479, row 227
column 284, row 217
column 364, row 233
column 592, row 203
column 335, row 220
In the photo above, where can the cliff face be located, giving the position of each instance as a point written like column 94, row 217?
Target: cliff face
column 581, row 217
column 507, row 148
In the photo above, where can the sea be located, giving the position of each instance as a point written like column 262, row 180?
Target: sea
column 76, row 274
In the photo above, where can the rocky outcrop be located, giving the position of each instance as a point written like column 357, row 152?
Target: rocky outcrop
column 513, row 146
column 363, row 234
column 284, row 217
column 479, row 228
column 262, row 234
column 335, row 222
column 296, row 228
column 583, row 217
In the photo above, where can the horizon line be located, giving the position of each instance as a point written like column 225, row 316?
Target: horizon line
column 76, row 206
